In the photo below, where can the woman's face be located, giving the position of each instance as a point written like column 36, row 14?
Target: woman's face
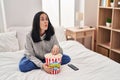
column 43, row 22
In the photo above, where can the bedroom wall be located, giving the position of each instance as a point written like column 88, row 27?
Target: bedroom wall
column 89, row 9
column 90, row 18
column 21, row 12
column 16, row 11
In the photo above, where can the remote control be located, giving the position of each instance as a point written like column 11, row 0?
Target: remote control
column 73, row 67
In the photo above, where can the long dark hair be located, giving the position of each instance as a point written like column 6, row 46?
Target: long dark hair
column 36, row 28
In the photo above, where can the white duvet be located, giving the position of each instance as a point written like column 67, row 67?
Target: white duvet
column 92, row 66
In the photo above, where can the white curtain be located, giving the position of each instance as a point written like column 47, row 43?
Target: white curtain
column 67, row 9
column 51, row 7
column 2, row 17
column 61, row 12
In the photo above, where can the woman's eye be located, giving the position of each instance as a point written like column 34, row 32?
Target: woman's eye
column 46, row 19
column 42, row 19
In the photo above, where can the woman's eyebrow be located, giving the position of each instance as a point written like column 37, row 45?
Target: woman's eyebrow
column 41, row 17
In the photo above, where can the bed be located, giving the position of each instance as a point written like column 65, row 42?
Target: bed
column 92, row 66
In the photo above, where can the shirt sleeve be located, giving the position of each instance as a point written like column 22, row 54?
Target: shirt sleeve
column 55, row 42
column 29, row 52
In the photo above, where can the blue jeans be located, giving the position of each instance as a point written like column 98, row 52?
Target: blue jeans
column 26, row 65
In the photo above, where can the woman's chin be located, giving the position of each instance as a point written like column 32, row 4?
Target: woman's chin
column 46, row 29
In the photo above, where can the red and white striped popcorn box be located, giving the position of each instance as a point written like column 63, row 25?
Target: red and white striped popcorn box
column 53, row 60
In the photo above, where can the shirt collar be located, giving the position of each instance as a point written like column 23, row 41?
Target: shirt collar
column 43, row 36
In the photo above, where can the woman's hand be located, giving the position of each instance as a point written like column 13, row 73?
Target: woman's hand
column 55, row 50
column 46, row 68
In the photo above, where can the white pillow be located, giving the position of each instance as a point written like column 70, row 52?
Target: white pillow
column 60, row 33
column 8, row 42
column 22, row 31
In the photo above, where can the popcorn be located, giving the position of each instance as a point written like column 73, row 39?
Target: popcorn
column 54, row 61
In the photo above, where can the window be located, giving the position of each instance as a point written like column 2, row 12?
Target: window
column 51, row 7
column 67, row 13
column 2, row 17
column 61, row 12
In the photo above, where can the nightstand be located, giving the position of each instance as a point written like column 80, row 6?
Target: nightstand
column 76, row 33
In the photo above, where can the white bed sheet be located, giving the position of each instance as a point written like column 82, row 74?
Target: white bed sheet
column 92, row 66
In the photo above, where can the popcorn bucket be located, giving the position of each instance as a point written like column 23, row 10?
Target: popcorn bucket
column 54, row 61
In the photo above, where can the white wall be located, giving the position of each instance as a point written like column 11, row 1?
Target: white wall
column 21, row 12
column 90, row 11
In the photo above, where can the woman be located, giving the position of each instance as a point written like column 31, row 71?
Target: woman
column 39, row 41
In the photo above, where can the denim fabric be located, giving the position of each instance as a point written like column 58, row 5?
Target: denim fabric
column 26, row 65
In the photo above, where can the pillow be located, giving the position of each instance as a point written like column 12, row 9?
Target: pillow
column 60, row 33
column 22, row 31
column 8, row 42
